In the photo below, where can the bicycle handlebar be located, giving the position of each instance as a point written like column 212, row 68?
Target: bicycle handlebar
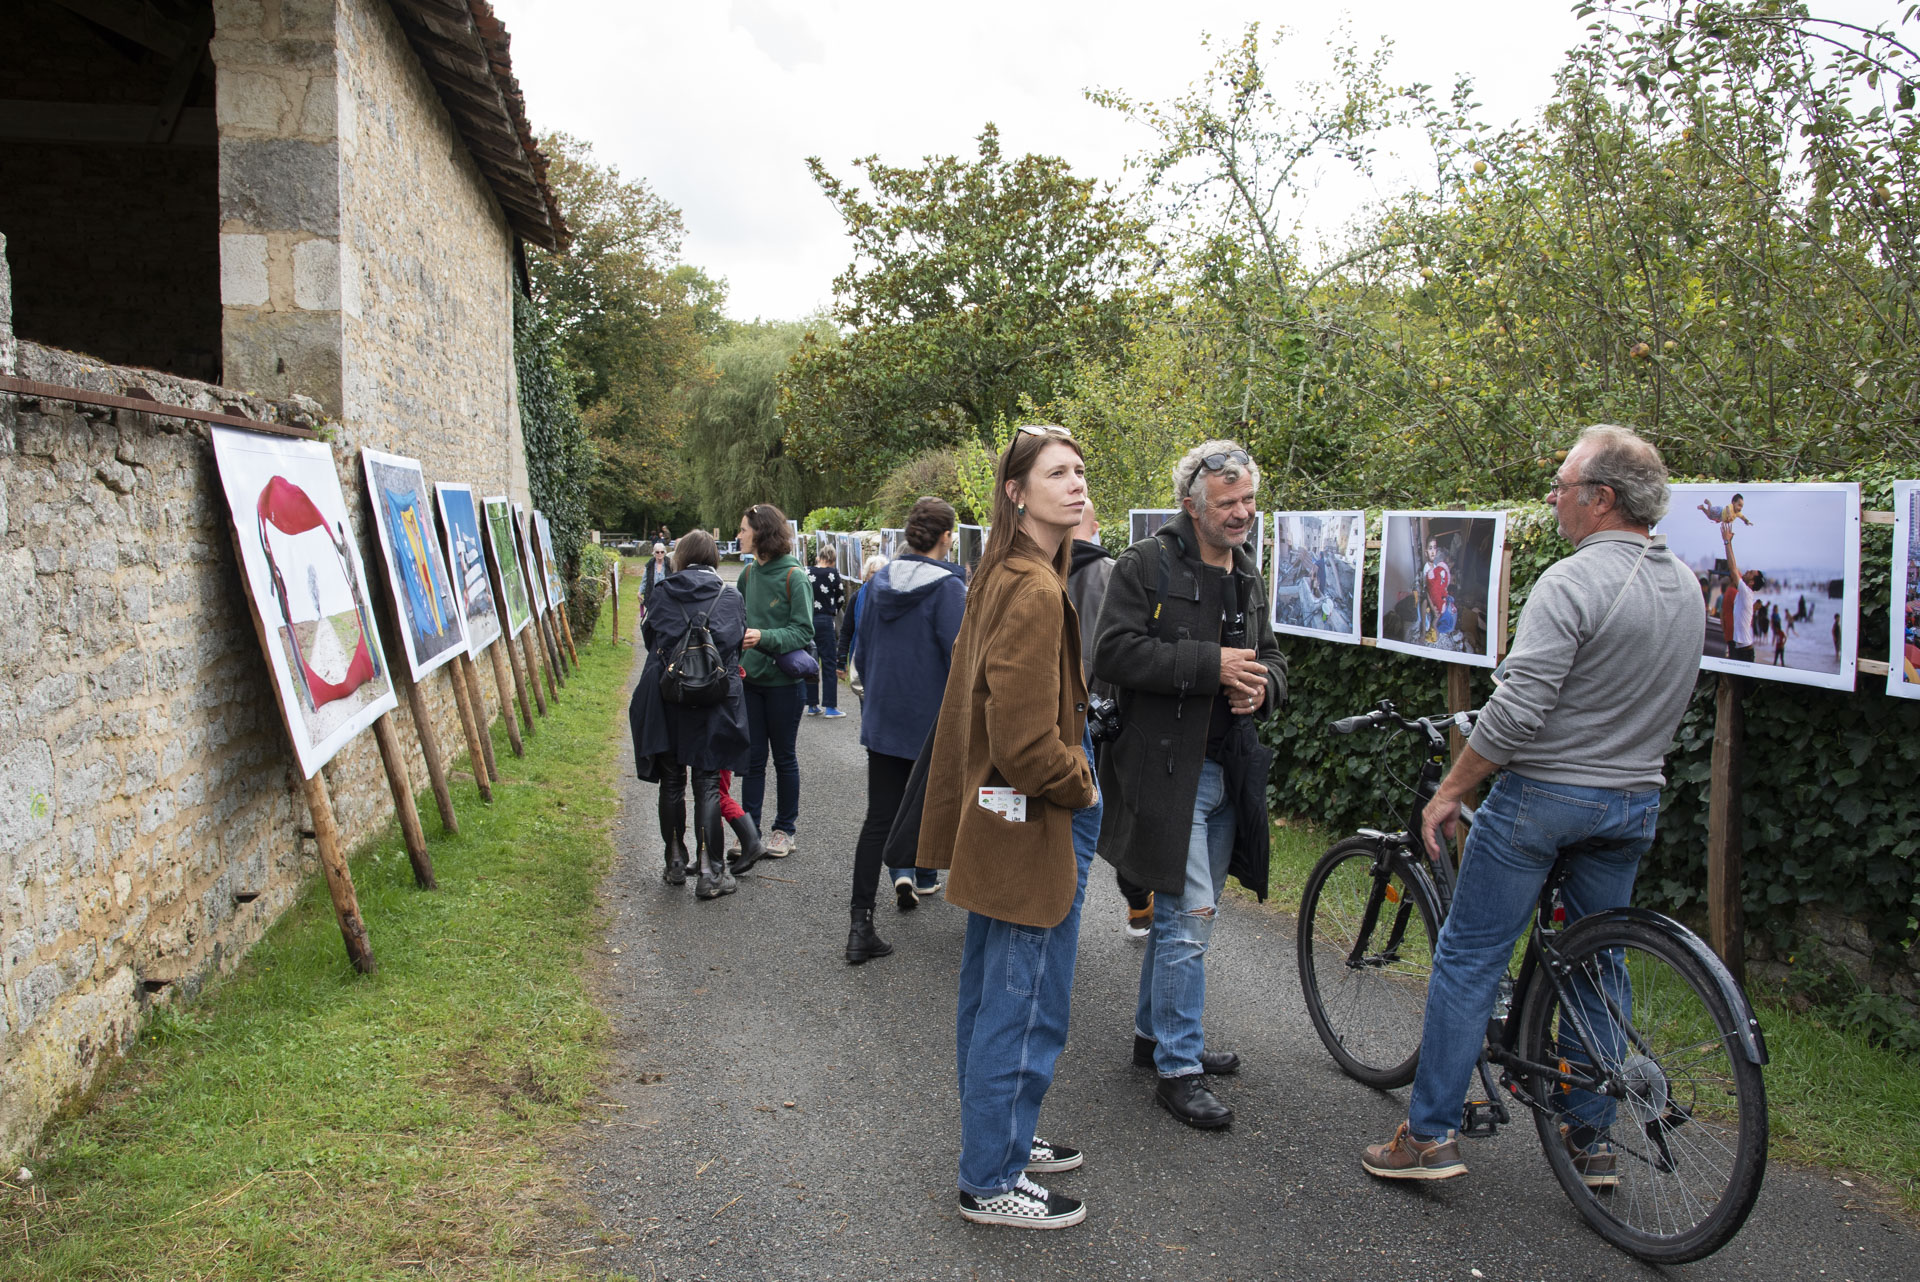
column 1384, row 714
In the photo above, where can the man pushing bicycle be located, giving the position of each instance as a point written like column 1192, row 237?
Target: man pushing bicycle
column 1603, row 662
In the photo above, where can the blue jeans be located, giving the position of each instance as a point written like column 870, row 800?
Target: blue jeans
column 773, row 721
column 1016, row 985
column 1518, row 834
column 828, row 682
column 1173, row 974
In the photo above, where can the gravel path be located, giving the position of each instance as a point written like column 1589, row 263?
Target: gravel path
column 775, row 1113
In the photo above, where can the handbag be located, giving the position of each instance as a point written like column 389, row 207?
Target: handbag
column 796, row 663
column 693, row 675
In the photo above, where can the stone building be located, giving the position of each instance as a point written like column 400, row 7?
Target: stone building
column 310, row 210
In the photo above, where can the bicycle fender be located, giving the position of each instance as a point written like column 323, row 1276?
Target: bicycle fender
column 1752, row 1041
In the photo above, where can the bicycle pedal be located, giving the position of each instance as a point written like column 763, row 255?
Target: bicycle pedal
column 1481, row 1118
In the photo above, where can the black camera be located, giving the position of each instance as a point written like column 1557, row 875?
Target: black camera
column 1103, row 718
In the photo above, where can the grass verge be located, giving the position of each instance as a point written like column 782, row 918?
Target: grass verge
column 1834, row 1099
column 298, row 1121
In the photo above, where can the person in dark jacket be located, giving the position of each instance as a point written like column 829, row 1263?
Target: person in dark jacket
column 913, row 611
column 1092, row 566
column 779, row 601
column 1185, row 780
column 657, row 569
column 669, row 739
column 829, row 594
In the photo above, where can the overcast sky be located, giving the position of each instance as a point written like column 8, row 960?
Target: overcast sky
column 718, row 103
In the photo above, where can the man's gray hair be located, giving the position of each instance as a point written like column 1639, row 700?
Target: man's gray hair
column 1190, row 478
column 1622, row 459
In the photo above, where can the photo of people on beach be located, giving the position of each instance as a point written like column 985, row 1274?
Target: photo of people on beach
column 1439, row 577
column 1315, row 579
column 1779, row 569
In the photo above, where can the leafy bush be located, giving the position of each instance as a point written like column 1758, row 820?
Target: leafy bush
column 560, row 458
column 1829, row 809
column 841, row 520
column 587, row 592
column 935, row 472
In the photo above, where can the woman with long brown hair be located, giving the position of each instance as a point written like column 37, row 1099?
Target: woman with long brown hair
column 1011, row 808
column 779, row 602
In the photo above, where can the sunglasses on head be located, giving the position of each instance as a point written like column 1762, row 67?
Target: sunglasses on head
column 1214, row 462
column 1046, row 429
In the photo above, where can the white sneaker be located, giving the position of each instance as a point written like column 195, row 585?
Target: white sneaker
column 1024, row 1206
column 779, row 844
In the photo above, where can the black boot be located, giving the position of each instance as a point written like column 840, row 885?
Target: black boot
column 673, row 827
column 1188, row 1099
column 862, row 943
column 715, row 880
column 752, row 849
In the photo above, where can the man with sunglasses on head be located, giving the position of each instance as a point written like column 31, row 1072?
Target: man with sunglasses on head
column 1185, row 639
column 1575, row 739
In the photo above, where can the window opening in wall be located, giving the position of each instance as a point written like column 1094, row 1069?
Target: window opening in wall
column 109, row 179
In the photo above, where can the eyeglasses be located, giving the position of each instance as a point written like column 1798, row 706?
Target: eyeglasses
column 1557, row 487
column 1214, row 462
column 1045, row 429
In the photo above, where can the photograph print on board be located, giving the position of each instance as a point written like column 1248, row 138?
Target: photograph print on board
column 467, row 560
column 1315, row 574
column 1779, row 569
column 503, row 553
column 1439, row 585
column 550, row 564
column 892, row 543
column 969, row 542
column 530, row 563
column 1903, row 666
column 307, row 587
column 432, row 626
column 1142, row 522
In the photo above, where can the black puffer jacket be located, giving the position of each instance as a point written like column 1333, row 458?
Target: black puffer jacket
column 1166, row 685
column 712, row 738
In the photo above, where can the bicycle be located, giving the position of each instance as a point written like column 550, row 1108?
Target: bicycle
column 1630, row 1042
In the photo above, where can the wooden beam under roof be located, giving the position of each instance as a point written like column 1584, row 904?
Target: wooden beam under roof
column 139, row 22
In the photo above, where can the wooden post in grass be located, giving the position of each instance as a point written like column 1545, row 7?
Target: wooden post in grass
column 482, row 718
column 410, row 829
column 566, row 628
column 430, row 749
column 528, row 651
column 556, row 679
column 507, row 690
column 346, row 905
column 1726, row 923
column 463, row 699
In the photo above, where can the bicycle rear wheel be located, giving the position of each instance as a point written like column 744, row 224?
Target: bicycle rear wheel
column 1365, row 949
column 1668, row 1168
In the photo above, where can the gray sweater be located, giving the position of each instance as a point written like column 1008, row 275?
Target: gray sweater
column 1593, row 707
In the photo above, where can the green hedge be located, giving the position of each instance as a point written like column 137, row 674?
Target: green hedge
column 1830, row 803
column 588, row 590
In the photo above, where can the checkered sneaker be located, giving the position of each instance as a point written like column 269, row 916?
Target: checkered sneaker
column 1024, row 1206
column 1046, row 1157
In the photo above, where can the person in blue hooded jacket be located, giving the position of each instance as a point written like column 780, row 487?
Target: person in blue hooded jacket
column 904, row 645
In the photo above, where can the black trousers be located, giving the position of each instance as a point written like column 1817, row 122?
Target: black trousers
column 709, row 830
column 825, row 652
column 886, row 785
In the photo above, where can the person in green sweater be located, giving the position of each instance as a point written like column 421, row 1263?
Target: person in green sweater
column 779, row 602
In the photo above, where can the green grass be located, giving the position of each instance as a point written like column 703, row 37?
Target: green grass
column 301, row 1121
column 1834, row 1099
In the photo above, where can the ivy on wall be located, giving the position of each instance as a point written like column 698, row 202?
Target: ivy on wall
column 1830, row 806
column 560, row 458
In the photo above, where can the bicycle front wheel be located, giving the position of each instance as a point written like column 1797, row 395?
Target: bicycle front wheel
column 1365, row 949
column 1667, row 1164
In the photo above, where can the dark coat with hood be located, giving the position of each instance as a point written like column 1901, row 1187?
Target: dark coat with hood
column 713, row 738
column 1087, row 576
column 912, row 614
column 1166, row 685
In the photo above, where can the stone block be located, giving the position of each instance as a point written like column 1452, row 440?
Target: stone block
column 243, row 270
column 26, row 794
column 251, row 100
column 279, row 184
column 34, row 995
column 316, row 275
column 320, row 110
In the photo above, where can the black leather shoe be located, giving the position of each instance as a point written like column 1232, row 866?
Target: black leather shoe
column 862, row 942
column 1213, row 1063
column 1188, row 1099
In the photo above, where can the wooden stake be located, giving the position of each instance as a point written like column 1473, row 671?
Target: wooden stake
column 410, row 829
column 346, row 905
column 556, row 618
column 613, row 588
column 430, row 749
column 527, row 648
column 1726, row 919
column 463, row 699
column 1459, row 699
column 500, row 666
column 482, row 717
column 566, row 627
column 556, row 679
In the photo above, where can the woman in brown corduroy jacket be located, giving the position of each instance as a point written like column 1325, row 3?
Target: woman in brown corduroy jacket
column 1013, row 719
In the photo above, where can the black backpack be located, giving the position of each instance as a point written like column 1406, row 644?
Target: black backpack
column 693, row 675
